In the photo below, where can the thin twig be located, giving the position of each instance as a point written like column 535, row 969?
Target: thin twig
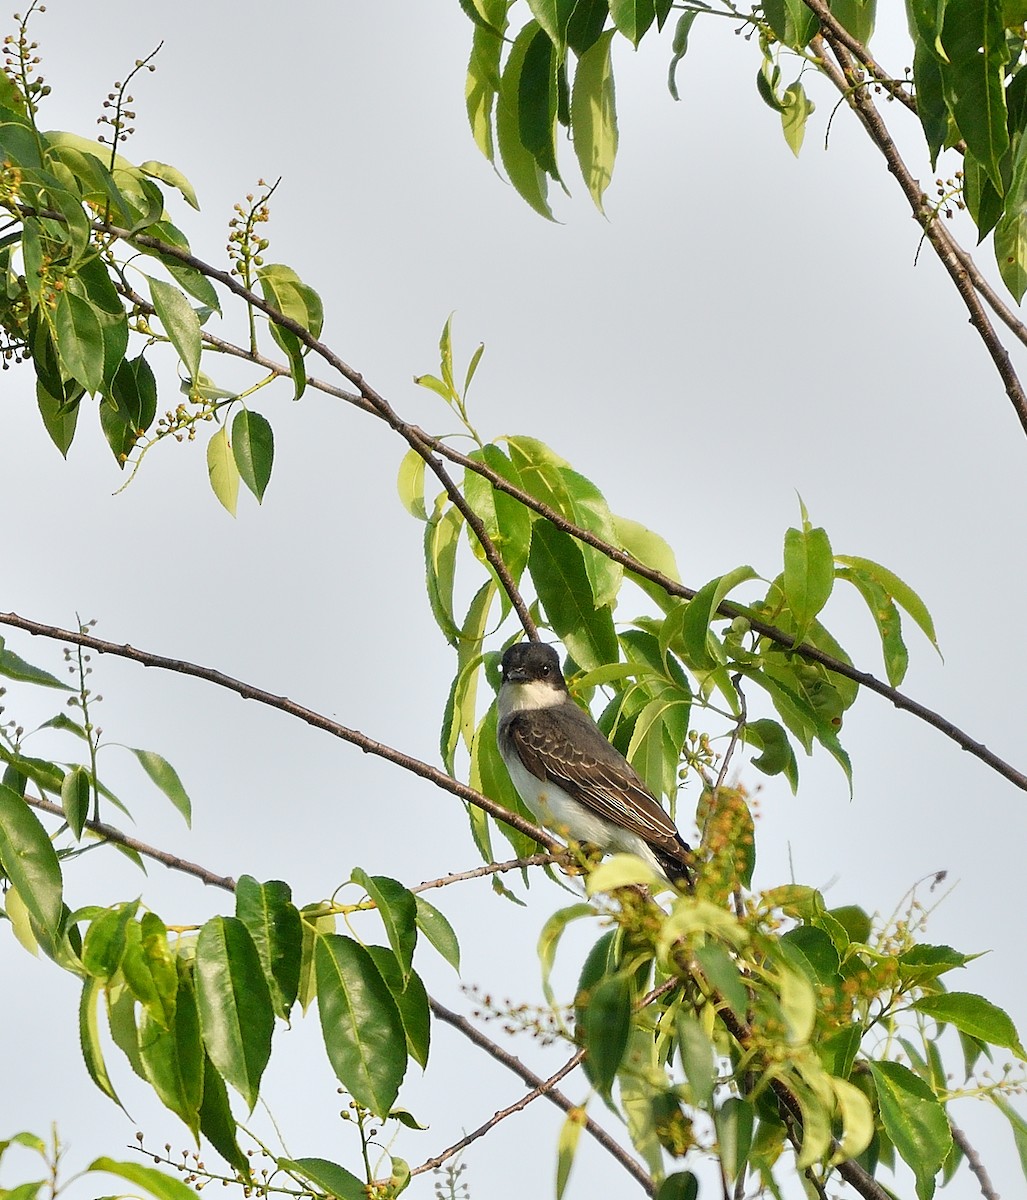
column 544, row 1087
column 892, row 86
column 513, row 864
column 973, row 1161
column 556, row 1097
column 284, row 704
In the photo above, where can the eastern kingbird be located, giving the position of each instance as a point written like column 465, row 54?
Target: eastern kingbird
column 568, row 774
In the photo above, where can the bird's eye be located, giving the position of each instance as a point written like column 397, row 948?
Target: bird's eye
column 545, row 668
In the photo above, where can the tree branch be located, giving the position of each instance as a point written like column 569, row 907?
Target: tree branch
column 973, row 1161
column 558, row 1098
column 284, row 704
column 513, row 864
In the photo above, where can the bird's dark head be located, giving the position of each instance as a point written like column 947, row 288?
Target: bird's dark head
column 532, row 671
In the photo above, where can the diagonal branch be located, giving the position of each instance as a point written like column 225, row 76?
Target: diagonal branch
column 558, row 1098
column 248, row 692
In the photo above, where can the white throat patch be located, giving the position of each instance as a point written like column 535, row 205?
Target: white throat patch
column 525, row 697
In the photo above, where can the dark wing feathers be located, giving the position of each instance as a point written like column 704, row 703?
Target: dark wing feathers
column 599, row 777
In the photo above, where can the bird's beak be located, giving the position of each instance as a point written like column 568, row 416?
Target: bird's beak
column 516, row 675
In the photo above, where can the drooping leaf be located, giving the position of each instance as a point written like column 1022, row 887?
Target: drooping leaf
column 236, row 1015
column 89, row 1039
column 30, row 862
column 173, row 1059
column 173, row 177
column 633, row 17
column 411, row 1001
column 274, row 924
column 914, row 1120
column 180, row 322
column 166, row 778
column 75, row 794
column 521, row 165
column 329, row 1177
column 973, row 1015
column 362, row 1028
column 796, row 110
column 223, row 471
column 398, row 911
column 157, row 1183
column 437, row 929
column 594, row 117
column 253, row 446
column 149, row 967
column 605, row 1029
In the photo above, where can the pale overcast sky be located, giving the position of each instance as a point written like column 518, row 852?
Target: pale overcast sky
column 743, row 327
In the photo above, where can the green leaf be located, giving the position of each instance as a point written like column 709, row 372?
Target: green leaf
column 900, row 592
column 973, row 1015
column 253, row 446
column 682, row 1185
column 30, row 862
column 594, row 117
column 697, row 1059
column 857, row 16
column 488, row 774
column 329, row 1177
column 166, row 778
column 792, row 22
column 808, row 574
column 274, row 924
column 679, row 48
column 411, row 1000
column 734, row 1121
column 180, row 322
column 89, row 1039
column 163, row 1187
column 222, row 470
column 149, row 967
column 691, row 630
column 974, row 40
column 482, row 86
column 173, row 177
column 558, row 572
column 796, row 108
column 173, row 1059
column 886, row 617
column 605, row 1028
column 217, row 1124
column 1017, row 1124
column 410, row 484
column 537, row 91
column 60, row 416
column 315, row 922
column 236, row 1016
column 566, row 1148
column 914, row 1120
column 506, row 520
column 16, row 668
column 121, row 1017
column 777, row 756
column 1011, row 228
column 441, row 539
column 549, row 939
column 362, row 1028
column 79, row 339
column 398, row 912
column 930, row 97
column 285, row 291
column 633, row 18
column 75, row 793
column 437, row 929
column 106, row 939
column 128, row 409
column 521, row 165
column 553, row 16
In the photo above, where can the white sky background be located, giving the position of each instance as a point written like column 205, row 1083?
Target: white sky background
column 743, row 327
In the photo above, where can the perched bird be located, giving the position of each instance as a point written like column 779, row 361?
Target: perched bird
column 568, row 774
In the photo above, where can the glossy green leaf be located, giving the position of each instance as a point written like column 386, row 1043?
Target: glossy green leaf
column 75, row 795
column 274, row 924
column 973, row 1015
column 1018, row 1126
column 398, row 911
column 506, row 520
column 808, row 574
column 776, row 755
column 89, row 1039
column 638, row 1074
column 914, row 1120
column 558, row 572
column 173, row 1059
column 253, row 446
column 633, row 17
column 30, row 862
column 682, row 1185
column 857, row 16
column 973, row 39
column 410, row 485
column 21, row 921
column 594, row 117
column 157, row 1183
column 129, row 408
column 696, row 1052
column 362, row 1028
column 1011, row 227
column 217, row 1124
column 886, row 617
column 166, row 778
column 553, row 16
column 411, row 1001
column 521, row 165
column 222, row 470
column 549, row 940
column 796, row 108
column 437, row 929
column 236, row 1015
column 489, row 775
column 173, row 177
column 79, row 339
column 690, row 632
column 329, row 1177
column 315, row 922
column 14, row 667
column 60, row 416
column 734, row 1121
column 605, row 1028
column 180, row 322
column 792, row 22
column 286, row 292
column 121, row 1017
column 930, row 99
